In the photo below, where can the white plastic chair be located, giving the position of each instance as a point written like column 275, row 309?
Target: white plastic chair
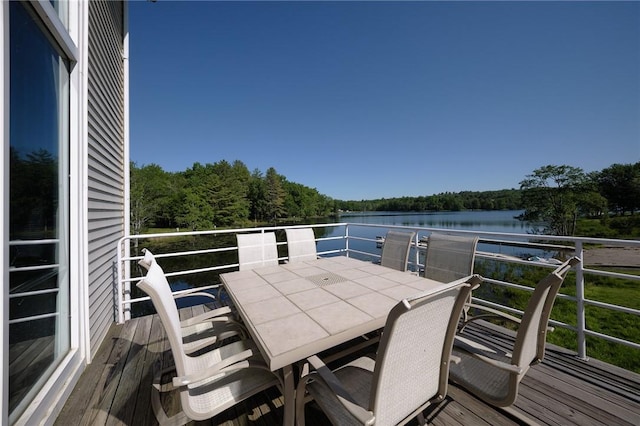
column 301, row 244
column 450, row 257
column 410, row 370
column 494, row 374
column 395, row 250
column 211, row 381
column 205, row 329
column 257, row 250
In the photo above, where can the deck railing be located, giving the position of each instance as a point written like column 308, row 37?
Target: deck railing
column 363, row 241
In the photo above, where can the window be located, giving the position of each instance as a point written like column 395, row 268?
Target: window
column 39, row 207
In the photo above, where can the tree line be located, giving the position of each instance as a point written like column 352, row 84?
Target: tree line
column 506, row 199
column 227, row 194
column 222, row 194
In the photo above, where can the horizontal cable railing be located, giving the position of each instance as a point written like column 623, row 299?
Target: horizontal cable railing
column 365, row 240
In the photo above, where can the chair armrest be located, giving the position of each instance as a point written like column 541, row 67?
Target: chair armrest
column 327, row 376
column 213, row 315
column 195, row 346
column 481, row 355
column 195, row 292
column 231, row 363
column 495, row 312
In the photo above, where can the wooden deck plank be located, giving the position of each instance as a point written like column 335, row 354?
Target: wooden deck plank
column 86, row 394
column 535, row 401
column 594, row 387
column 143, row 414
column 113, row 374
column 563, row 390
column 481, row 411
column 584, row 410
column 586, row 391
column 126, row 399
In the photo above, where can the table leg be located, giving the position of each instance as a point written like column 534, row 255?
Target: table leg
column 289, row 396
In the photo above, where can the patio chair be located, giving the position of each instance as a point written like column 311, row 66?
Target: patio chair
column 395, row 250
column 409, row 372
column 257, row 250
column 211, row 381
column 206, row 329
column 492, row 373
column 450, row 257
column 301, row 244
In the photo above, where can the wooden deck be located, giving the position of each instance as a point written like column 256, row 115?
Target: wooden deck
column 115, row 388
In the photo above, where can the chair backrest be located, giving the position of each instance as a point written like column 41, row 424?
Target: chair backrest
column 155, row 284
column 301, row 244
column 257, row 250
column 532, row 332
column 412, row 364
column 395, row 250
column 449, row 257
column 147, row 260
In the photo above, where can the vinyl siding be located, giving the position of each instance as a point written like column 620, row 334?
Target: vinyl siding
column 105, row 159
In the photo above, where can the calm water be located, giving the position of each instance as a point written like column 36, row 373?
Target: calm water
column 488, row 221
column 485, row 221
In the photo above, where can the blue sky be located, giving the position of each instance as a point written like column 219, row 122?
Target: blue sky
column 365, row 100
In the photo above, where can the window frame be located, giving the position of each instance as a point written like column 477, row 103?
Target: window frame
column 70, row 41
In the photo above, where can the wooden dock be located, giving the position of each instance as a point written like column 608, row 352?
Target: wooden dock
column 563, row 390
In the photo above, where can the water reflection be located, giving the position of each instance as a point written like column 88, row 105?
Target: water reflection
column 489, row 221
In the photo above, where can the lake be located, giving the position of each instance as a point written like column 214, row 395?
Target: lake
column 488, row 221
column 481, row 221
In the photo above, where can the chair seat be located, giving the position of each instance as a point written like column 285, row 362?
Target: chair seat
column 226, row 389
column 474, row 373
column 193, row 335
column 356, row 378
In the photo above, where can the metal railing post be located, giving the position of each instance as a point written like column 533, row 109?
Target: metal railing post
column 119, row 283
column 417, row 252
column 346, row 238
column 127, row 286
column 580, row 314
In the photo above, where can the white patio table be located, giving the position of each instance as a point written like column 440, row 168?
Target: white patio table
column 296, row 310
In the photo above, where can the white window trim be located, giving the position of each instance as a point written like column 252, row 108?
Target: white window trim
column 50, row 18
column 4, row 216
column 55, row 391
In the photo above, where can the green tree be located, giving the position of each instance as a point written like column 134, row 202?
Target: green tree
column 227, row 192
column 150, row 196
column 275, row 195
column 620, row 185
column 552, row 194
column 195, row 213
column 257, row 196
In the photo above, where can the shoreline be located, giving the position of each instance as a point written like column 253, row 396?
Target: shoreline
column 624, row 257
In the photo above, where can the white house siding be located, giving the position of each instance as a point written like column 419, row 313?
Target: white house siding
column 106, row 160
